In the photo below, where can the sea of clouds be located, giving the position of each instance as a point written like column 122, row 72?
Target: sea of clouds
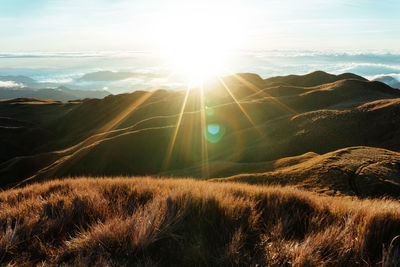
column 66, row 68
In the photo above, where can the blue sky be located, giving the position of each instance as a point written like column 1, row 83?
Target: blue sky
column 55, row 25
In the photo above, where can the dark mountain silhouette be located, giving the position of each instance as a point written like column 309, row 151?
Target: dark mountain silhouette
column 114, row 76
column 61, row 93
column 81, row 94
column 18, row 79
column 389, row 80
column 27, row 82
column 248, row 125
column 28, row 87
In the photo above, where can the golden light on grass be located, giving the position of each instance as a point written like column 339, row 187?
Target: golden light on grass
column 175, row 134
column 258, row 91
column 239, row 105
column 126, row 112
column 104, row 131
column 81, row 222
column 204, row 148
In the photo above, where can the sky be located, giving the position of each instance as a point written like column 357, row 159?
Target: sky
column 137, row 25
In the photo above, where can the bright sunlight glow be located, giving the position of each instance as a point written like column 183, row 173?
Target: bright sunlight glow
column 198, row 43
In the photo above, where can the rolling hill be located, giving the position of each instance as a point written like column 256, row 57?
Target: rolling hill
column 246, row 126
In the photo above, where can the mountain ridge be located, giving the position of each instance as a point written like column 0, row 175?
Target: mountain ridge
column 118, row 134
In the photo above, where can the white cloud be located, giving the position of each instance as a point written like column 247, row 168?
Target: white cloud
column 11, row 84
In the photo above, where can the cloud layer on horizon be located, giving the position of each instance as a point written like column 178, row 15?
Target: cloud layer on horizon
column 11, row 84
column 146, row 70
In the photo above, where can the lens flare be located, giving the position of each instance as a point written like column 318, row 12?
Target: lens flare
column 214, row 132
column 213, row 129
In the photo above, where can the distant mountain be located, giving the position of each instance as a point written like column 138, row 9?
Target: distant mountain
column 18, row 79
column 60, row 93
column 102, row 76
column 113, row 82
column 389, row 80
column 81, row 94
column 28, row 82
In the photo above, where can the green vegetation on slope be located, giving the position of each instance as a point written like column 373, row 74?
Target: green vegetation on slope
column 161, row 222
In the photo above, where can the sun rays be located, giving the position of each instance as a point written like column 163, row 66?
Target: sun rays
column 199, row 124
column 245, row 113
column 204, row 128
column 257, row 90
column 127, row 111
column 211, row 127
column 175, row 134
column 204, row 147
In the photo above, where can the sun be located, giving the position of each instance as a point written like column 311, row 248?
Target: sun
column 199, row 43
column 196, row 62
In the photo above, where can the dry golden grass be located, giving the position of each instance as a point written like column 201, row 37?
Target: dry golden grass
column 163, row 222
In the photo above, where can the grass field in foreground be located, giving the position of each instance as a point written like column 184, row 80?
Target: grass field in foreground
column 157, row 222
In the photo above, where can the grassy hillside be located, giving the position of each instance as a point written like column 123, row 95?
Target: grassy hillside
column 158, row 222
column 356, row 171
column 257, row 121
column 312, row 79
